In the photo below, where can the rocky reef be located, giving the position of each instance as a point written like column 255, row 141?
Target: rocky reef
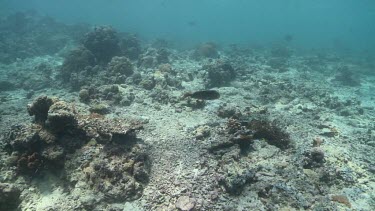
column 28, row 34
column 103, row 42
column 60, row 132
column 206, row 50
column 124, row 123
column 219, row 74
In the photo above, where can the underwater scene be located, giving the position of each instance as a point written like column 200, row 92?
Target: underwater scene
column 195, row 105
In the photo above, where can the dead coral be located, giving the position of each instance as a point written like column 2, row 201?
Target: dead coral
column 84, row 95
column 269, row 131
column 119, row 69
column 206, row 50
column 103, row 42
column 342, row 199
column 61, row 117
column 38, row 147
column 120, row 173
column 121, row 66
column 39, row 108
column 234, row 183
column 219, row 74
column 9, row 196
column 76, row 61
column 314, row 158
column 131, row 46
column 153, row 57
column 240, row 134
column 29, row 164
column 111, row 94
column 227, row 111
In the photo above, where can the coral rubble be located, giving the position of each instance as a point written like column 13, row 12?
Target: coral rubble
column 136, row 124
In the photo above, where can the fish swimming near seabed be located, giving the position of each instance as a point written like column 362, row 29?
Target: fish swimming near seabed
column 203, row 95
column 191, row 23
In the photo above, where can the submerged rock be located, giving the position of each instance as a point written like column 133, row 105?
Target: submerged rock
column 120, row 66
column 219, row 74
column 76, row 61
column 61, row 131
column 131, row 46
column 61, row 117
column 9, row 196
column 185, row 203
column 313, row 158
column 39, row 108
column 273, row 134
column 206, row 50
column 153, row 57
column 103, row 42
column 121, row 175
column 235, row 183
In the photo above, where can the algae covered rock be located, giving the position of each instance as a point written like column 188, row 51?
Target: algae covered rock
column 119, row 69
column 206, row 50
column 121, row 172
column 40, row 147
column 121, row 66
column 84, row 95
column 99, row 108
column 313, row 158
column 9, row 196
column 103, row 42
column 56, row 114
column 235, row 182
column 131, row 46
column 271, row 132
column 61, row 116
column 148, row 82
column 39, row 108
column 76, row 61
column 153, row 57
column 219, row 74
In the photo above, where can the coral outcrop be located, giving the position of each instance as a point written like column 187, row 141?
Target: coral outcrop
column 103, row 42
column 28, row 34
column 9, row 196
column 76, row 61
column 153, row 57
column 39, row 109
column 219, row 74
column 131, row 46
column 206, row 50
column 120, row 171
column 119, row 69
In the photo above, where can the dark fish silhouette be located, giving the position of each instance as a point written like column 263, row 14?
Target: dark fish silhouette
column 192, row 23
column 203, row 95
column 288, row 37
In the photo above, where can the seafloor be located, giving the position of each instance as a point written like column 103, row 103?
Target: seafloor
column 97, row 119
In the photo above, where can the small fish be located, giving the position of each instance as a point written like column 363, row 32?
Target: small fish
column 288, row 37
column 203, row 95
column 192, row 23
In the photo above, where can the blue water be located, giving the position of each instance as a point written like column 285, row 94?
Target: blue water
column 341, row 24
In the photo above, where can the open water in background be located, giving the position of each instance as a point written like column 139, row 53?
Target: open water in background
column 343, row 25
